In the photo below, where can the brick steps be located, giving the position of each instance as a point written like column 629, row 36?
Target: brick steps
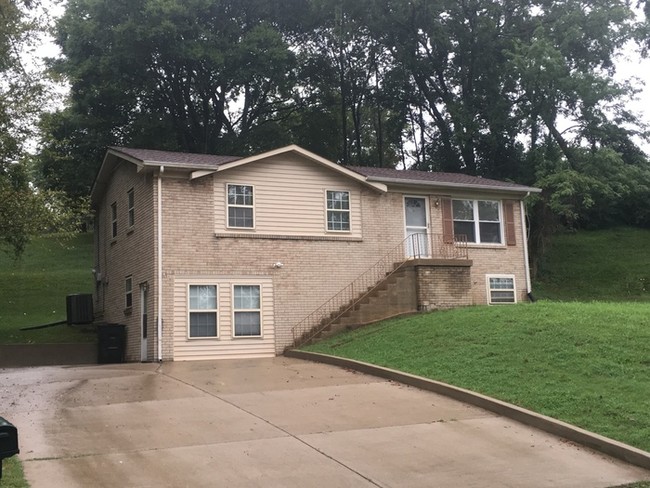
column 395, row 295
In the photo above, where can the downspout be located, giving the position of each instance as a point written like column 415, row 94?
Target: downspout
column 160, row 268
column 529, row 287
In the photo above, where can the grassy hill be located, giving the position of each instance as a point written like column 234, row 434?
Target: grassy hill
column 605, row 265
column 33, row 289
column 584, row 362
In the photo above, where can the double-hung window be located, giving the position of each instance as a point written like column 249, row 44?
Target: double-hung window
column 128, row 292
column 114, row 220
column 240, row 206
column 338, row 210
column 479, row 220
column 501, row 289
column 203, row 310
column 131, row 201
column 247, row 311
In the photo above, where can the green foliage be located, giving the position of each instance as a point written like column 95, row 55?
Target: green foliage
column 608, row 265
column 584, row 363
column 34, row 288
column 26, row 212
column 600, row 189
column 198, row 76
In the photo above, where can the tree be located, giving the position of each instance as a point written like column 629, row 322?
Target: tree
column 345, row 70
column 197, row 75
column 20, row 208
column 490, row 75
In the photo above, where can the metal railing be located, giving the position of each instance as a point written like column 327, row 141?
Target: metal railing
column 415, row 246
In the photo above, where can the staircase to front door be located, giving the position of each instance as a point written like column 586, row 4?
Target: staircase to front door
column 385, row 290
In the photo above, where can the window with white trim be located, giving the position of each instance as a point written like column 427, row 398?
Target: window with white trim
column 131, row 206
column 128, row 291
column 338, row 210
column 479, row 220
column 501, row 289
column 247, row 314
column 114, row 219
column 202, row 311
column 240, row 206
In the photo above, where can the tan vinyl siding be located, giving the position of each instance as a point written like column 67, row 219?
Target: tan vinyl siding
column 226, row 345
column 289, row 198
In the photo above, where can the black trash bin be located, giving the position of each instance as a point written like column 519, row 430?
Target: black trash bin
column 8, row 441
column 111, row 340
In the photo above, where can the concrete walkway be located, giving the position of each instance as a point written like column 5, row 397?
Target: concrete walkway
column 274, row 423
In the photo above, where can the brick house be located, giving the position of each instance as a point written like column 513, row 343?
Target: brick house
column 206, row 257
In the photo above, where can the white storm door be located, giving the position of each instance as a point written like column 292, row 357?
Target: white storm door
column 417, row 226
column 143, row 321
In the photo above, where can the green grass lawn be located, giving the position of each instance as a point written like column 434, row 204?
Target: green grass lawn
column 12, row 474
column 607, row 265
column 33, row 289
column 585, row 363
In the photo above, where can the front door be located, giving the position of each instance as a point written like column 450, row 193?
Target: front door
column 417, row 226
column 144, row 288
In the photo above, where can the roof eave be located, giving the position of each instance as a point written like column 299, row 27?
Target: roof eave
column 446, row 184
column 103, row 168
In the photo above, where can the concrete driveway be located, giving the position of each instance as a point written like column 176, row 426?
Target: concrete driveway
column 274, row 423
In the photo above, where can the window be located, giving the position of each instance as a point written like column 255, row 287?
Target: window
column 114, row 219
column 501, row 289
column 246, row 308
column 240, row 206
column 338, row 211
column 128, row 292
column 203, row 310
column 479, row 220
column 131, row 207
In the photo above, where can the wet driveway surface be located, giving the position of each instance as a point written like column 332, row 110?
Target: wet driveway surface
column 274, row 423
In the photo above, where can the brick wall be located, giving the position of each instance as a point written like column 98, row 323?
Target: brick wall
column 443, row 285
column 131, row 252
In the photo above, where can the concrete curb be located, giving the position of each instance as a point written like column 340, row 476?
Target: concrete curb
column 570, row 432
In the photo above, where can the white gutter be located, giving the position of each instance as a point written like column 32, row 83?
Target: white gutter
column 160, row 268
column 529, row 287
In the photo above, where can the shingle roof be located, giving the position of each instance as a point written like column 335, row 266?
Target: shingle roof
column 445, row 179
column 178, row 159
column 193, row 161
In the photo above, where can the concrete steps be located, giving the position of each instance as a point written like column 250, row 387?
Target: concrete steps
column 395, row 295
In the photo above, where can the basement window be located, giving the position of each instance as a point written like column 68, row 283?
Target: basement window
column 501, row 289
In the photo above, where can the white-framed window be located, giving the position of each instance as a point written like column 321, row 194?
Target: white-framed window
column 113, row 220
column 240, row 206
column 203, row 310
column 479, row 220
column 131, row 201
column 128, row 291
column 338, row 210
column 501, row 289
column 247, row 311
